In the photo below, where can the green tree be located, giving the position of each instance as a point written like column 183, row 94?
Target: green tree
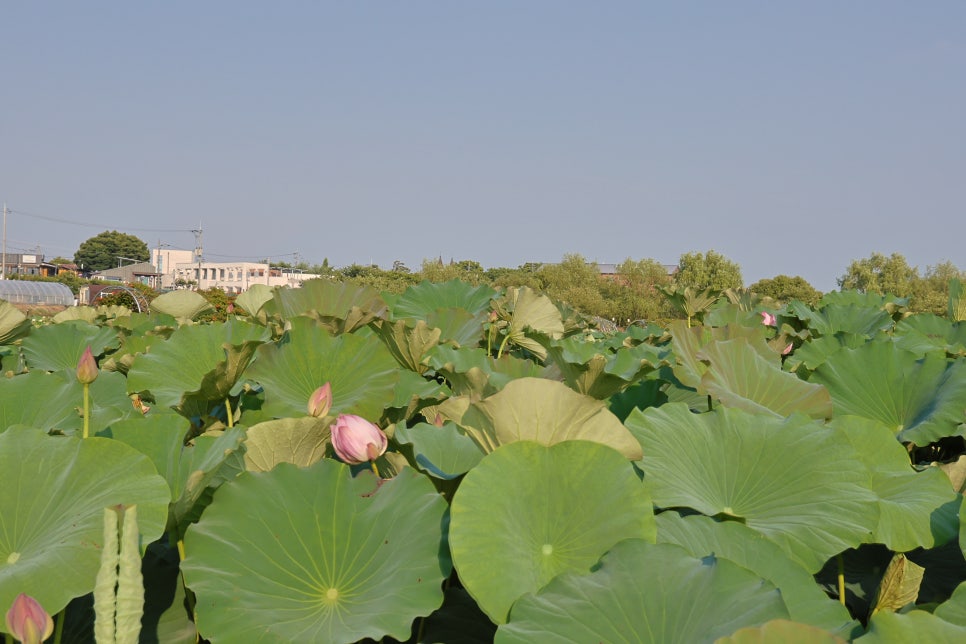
column 708, row 270
column 880, row 274
column 930, row 293
column 783, row 288
column 466, row 270
column 102, row 251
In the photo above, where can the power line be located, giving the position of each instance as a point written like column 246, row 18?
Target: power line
column 86, row 225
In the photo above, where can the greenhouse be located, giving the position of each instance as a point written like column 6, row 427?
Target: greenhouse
column 29, row 292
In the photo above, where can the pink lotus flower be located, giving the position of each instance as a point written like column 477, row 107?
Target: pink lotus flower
column 320, row 401
column 787, row 349
column 28, row 621
column 356, row 440
column 768, row 319
column 87, row 367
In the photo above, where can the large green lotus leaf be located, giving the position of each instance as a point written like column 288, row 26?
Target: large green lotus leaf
column 781, row 631
column 408, row 343
column 206, row 462
column 643, row 592
column 422, row 299
column 181, row 305
column 835, row 318
column 866, row 299
column 595, row 370
column 55, row 401
column 953, row 610
column 443, row 452
column 920, row 399
column 457, row 326
column 927, row 332
column 200, row 361
column 300, row 441
column 361, row 371
column 340, row 306
column 915, row 626
column 740, row 377
column 254, row 298
column 52, row 510
column 13, row 323
column 547, row 412
column 799, row 483
column 471, row 372
column 315, row 555
column 57, row 347
column 687, row 344
column 702, row 536
column 412, row 393
column 817, row 351
column 532, row 311
column 528, row 513
column 916, row 509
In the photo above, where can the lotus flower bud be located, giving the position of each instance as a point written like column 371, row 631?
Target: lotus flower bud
column 28, row 621
column 768, row 319
column 356, row 440
column 87, row 367
column 320, row 401
column 788, row 349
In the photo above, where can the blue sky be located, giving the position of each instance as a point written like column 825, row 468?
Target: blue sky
column 792, row 137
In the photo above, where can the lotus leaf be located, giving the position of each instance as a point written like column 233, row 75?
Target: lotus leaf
column 644, row 592
column 457, row 326
column 545, row 411
column 54, row 400
column 783, row 631
column 314, row 555
column 687, row 344
column 202, row 362
column 409, row 343
column 899, row 586
column 254, row 298
column 914, row 626
column 528, row 512
column 739, row 376
column 920, row 399
column 927, row 332
column 530, row 310
column 13, row 323
column 797, row 482
column 443, row 452
column 916, row 509
column 339, row 306
column 598, row 372
column 51, row 526
column 953, row 610
column 181, row 305
column 421, row 300
column 206, row 462
column 833, row 319
column 471, row 372
column 361, row 370
column 702, row 536
column 300, row 441
column 59, row 347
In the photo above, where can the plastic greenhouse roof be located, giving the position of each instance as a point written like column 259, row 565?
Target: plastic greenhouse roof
column 30, row 292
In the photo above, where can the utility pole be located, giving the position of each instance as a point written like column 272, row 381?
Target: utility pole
column 198, row 253
column 3, row 271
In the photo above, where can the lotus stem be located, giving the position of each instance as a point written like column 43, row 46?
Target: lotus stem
column 59, row 626
column 87, row 410
column 499, row 352
column 841, row 561
column 231, row 415
column 375, row 470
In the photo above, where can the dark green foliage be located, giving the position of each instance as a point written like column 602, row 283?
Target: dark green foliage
column 783, row 288
column 101, row 252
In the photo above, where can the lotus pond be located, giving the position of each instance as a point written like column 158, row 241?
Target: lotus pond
column 755, row 474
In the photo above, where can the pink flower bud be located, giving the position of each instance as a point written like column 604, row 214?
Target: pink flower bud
column 320, row 401
column 28, row 621
column 787, row 349
column 87, row 367
column 356, row 440
column 768, row 319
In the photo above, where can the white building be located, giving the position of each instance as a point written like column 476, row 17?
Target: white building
column 233, row 277
column 166, row 261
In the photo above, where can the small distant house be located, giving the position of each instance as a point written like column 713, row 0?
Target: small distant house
column 142, row 272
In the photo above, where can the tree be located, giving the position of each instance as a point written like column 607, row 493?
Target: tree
column 880, row 274
column 930, row 293
column 102, row 251
column 709, row 270
column 783, row 288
